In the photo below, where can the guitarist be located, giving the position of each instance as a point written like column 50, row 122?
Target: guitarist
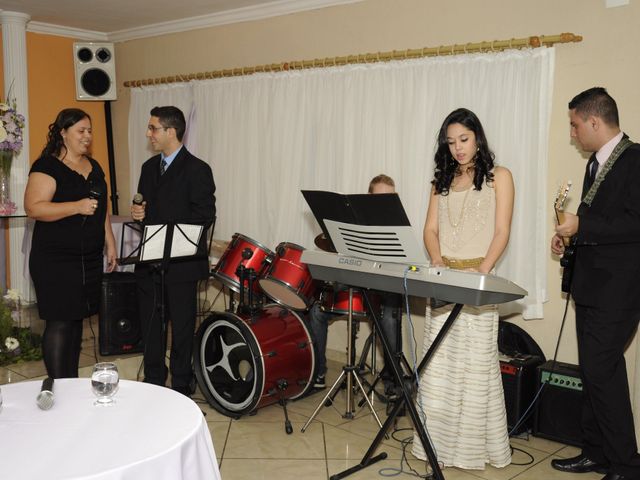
column 605, row 285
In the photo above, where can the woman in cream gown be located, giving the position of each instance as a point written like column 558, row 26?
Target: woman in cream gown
column 460, row 394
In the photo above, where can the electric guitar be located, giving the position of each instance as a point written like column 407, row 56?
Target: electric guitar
column 568, row 257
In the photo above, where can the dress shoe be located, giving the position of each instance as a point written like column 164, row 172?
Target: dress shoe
column 579, row 464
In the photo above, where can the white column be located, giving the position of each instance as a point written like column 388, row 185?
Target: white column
column 14, row 49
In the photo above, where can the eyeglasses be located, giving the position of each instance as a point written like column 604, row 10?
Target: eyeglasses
column 152, row 128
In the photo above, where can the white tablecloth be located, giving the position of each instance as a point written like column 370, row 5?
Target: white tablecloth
column 151, row 433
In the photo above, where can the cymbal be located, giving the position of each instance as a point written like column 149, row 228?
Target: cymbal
column 323, row 243
column 218, row 247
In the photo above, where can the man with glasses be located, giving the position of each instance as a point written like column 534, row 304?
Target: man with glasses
column 176, row 187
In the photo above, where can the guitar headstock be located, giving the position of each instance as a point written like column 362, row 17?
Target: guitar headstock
column 561, row 196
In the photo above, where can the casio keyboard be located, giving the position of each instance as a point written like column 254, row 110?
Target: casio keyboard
column 455, row 286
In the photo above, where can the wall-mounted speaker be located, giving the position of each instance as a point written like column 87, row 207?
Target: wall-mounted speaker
column 119, row 324
column 95, row 67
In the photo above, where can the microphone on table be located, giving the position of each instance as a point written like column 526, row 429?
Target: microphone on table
column 44, row 399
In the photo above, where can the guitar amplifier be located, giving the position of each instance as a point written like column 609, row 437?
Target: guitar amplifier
column 519, row 384
column 559, row 408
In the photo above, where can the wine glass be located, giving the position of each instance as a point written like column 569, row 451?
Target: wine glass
column 104, row 382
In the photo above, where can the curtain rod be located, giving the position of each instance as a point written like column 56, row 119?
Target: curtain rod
column 489, row 46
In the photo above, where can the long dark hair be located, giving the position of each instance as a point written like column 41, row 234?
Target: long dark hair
column 65, row 119
column 446, row 165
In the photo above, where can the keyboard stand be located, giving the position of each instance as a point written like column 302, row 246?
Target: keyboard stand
column 405, row 399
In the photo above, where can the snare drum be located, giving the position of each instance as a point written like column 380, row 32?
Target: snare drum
column 337, row 301
column 245, row 362
column 257, row 256
column 287, row 280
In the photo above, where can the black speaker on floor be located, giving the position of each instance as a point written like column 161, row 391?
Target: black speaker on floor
column 519, row 376
column 119, row 323
column 559, row 407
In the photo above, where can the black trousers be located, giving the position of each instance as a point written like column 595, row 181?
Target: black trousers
column 607, row 420
column 180, row 311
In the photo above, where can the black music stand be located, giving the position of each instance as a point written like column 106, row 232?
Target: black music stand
column 159, row 244
column 377, row 227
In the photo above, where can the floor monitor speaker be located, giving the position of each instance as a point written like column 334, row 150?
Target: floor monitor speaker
column 119, row 324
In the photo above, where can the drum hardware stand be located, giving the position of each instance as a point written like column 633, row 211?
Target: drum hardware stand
column 350, row 372
column 407, row 399
column 282, row 386
column 248, row 276
column 370, row 343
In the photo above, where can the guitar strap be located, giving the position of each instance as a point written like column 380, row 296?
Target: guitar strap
column 617, row 151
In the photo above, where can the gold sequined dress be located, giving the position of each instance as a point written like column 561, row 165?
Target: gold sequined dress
column 460, row 391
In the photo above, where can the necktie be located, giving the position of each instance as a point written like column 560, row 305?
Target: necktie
column 592, row 168
column 163, row 166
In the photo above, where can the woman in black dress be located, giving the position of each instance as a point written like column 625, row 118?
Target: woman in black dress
column 67, row 196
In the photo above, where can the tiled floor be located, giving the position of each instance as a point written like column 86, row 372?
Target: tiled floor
column 256, row 446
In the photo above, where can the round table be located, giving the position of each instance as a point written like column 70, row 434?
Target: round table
column 150, row 433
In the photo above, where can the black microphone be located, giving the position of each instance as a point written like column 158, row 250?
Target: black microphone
column 45, row 397
column 94, row 194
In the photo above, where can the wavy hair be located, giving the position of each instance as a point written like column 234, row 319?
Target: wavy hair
column 447, row 167
column 65, row 119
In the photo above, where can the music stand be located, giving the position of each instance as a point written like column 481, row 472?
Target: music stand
column 376, row 227
column 159, row 244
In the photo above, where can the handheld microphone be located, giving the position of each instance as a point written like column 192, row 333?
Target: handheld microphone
column 138, row 199
column 45, row 397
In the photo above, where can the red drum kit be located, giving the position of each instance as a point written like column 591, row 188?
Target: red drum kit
column 257, row 354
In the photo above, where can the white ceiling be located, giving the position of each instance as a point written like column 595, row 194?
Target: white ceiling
column 125, row 19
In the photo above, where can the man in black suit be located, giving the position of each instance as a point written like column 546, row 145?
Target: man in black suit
column 176, row 187
column 605, row 285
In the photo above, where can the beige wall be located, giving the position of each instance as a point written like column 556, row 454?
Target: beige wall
column 607, row 57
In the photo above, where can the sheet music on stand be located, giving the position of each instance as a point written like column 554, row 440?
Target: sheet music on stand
column 184, row 242
column 373, row 227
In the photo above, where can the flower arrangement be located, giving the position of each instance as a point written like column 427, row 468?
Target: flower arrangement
column 11, row 126
column 17, row 343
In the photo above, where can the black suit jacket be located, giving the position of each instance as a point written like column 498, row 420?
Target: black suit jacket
column 184, row 194
column 607, row 264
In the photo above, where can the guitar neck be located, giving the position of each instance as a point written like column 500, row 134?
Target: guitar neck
column 560, row 217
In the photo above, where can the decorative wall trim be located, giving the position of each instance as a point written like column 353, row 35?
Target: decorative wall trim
column 244, row 14
column 60, row 31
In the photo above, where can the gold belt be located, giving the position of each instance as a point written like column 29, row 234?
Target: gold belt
column 462, row 263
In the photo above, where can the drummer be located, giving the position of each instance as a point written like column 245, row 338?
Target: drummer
column 391, row 319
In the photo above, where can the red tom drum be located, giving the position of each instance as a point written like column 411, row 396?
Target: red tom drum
column 241, row 251
column 245, row 362
column 287, row 280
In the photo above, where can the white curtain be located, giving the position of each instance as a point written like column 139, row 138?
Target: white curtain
column 267, row 136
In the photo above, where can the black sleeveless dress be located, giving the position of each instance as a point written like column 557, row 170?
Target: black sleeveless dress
column 66, row 260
